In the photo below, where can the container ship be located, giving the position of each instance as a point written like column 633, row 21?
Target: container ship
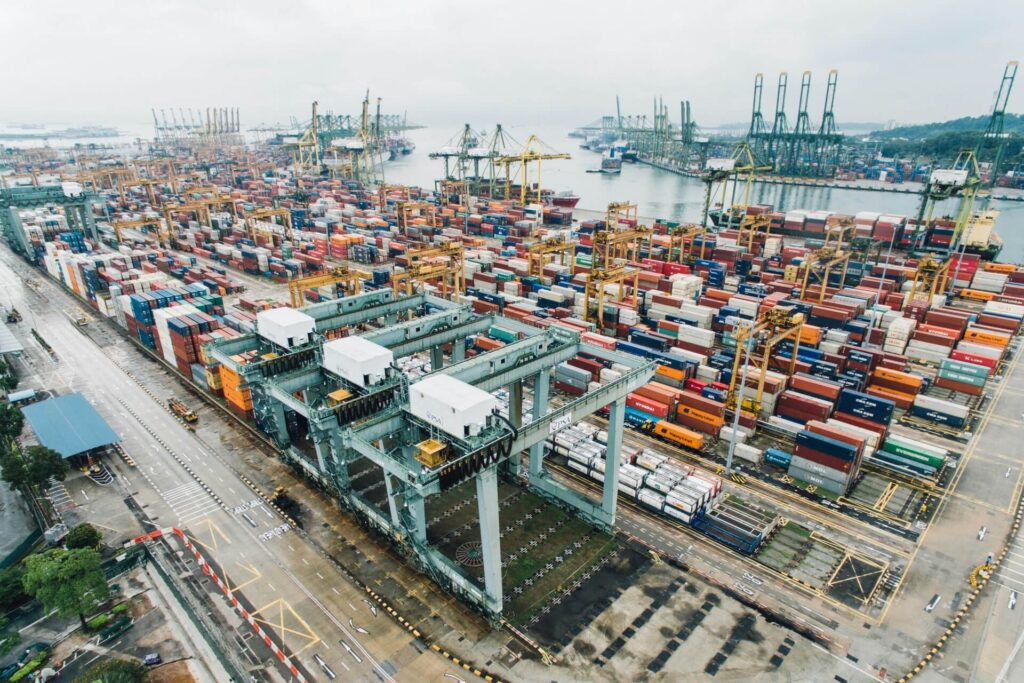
column 979, row 236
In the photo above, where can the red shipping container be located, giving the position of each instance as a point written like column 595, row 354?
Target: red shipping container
column 647, row 405
column 824, row 459
column 817, row 387
column 959, row 386
column 965, row 357
column 837, row 434
column 698, row 402
column 856, row 421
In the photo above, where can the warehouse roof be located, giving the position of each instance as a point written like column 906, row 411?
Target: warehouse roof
column 8, row 342
column 69, row 425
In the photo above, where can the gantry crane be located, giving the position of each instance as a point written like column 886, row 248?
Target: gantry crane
column 541, row 253
column 530, row 154
column 306, row 155
column 682, row 243
column 443, row 263
column 994, row 131
column 614, row 242
column 775, row 326
column 407, row 211
column 752, row 226
column 350, row 279
column 119, row 224
column 821, row 264
column 595, row 288
column 961, row 180
column 385, row 192
column 265, row 215
column 741, row 162
column 930, row 279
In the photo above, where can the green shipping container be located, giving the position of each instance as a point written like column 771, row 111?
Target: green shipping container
column 901, row 450
column 961, row 377
column 501, row 334
column 965, row 368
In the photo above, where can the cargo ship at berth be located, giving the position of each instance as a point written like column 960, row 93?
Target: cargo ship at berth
column 979, row 236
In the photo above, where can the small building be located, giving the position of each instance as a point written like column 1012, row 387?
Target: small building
column 9, row 344
column 69, row 425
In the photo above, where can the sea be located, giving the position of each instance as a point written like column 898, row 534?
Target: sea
column 657, row 193
column 663, row 194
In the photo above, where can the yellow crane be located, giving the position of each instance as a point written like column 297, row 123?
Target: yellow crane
column 444, row 264
column 682, row 243
column 542, row 253
column 596, row 284
column 385, row 191
column 350, row 279
column 530, row 154
column 407, row 211
column 750, row 227
column 266, row 215
column 306, row 157
column 930, row 279
column 120, row 224
column 821, row 265
column 776, row 325
column 741, row 162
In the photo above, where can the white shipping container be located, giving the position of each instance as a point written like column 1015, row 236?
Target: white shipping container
column 651, row 499
column 947, row 407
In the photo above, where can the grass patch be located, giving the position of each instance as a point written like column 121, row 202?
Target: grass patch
column 98, row 622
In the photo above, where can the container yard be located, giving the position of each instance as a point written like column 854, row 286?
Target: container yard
column 523, row 402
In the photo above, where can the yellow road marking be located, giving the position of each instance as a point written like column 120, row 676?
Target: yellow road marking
column 212, row 543
column 283, row 610
column 255, row 575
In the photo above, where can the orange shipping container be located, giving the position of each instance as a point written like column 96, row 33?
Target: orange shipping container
column 809, row 334
column 987, row 338
column 904, row 378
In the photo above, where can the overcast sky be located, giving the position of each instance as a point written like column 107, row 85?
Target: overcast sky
column 520, row 63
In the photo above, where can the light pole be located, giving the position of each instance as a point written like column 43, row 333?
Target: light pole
column 739, row 398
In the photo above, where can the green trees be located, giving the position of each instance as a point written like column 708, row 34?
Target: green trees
column 69, row 581
column 84, row 535
column 12, row 593
column 11, row 422
column 32, row 467
column 112, row 670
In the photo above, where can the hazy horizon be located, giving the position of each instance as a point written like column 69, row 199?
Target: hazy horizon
column 443, row 61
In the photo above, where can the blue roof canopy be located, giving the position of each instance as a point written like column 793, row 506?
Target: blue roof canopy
column 69, row 425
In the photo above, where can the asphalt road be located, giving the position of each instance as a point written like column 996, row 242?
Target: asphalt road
column 298, row 596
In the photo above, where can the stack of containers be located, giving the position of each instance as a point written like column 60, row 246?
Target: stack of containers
column 572, row 380
column 699, row 413
column 967, row 378
column 826, row 457
column 799, row 407
column 940, row 412
column 898, row 387
column 989, row 281
column 910, row 456
column 239, row 399
column 873, row 413
column 898, row 334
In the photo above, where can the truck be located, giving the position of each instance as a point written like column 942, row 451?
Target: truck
column 182, row 410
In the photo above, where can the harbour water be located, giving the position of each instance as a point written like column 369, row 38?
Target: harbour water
column 662, row 194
